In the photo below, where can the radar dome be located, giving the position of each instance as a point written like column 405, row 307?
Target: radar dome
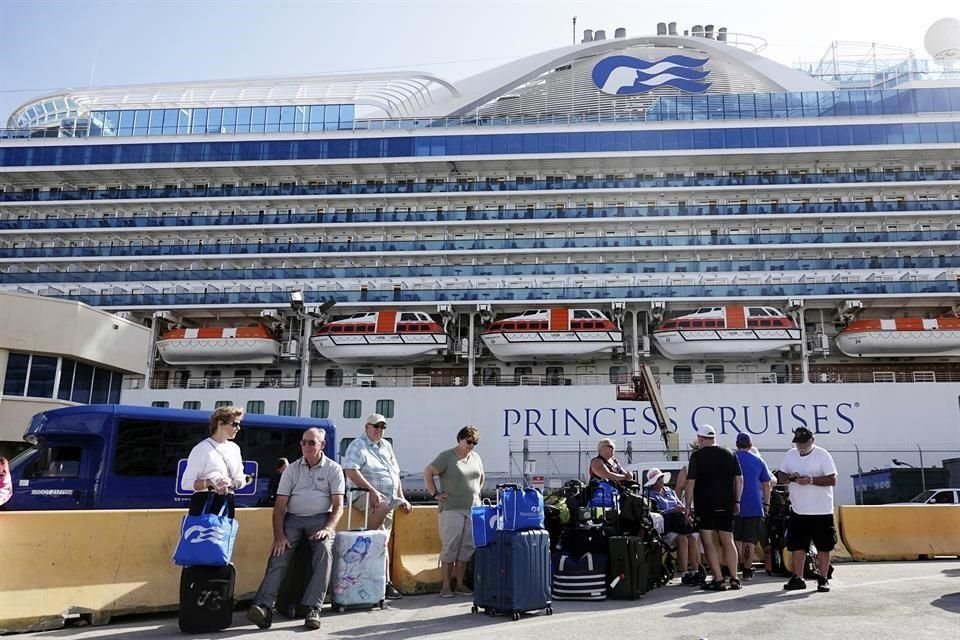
column 942, row 40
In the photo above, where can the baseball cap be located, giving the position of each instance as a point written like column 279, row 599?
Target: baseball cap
column 706, row 431
column 802, row 434
column 376, row 418
column 743, row 440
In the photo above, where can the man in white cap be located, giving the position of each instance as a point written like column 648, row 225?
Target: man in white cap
column 714, row 483
column 369, row 463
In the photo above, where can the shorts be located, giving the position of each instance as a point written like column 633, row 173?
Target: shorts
column 456, row 535
column 360, row 503
column 748, row 530
column 715, row 520
column 804, row 529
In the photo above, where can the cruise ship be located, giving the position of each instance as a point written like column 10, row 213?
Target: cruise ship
column 781, row 246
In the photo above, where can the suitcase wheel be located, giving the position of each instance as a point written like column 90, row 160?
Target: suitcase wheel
column 549, row 611
column 516, row 616
column 382, row 605
column 341, row 608
column 474, row 609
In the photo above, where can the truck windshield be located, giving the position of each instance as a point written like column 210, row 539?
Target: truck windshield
column 923, row 497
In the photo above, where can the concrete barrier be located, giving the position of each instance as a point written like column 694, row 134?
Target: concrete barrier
column 415, row 559
column 900, row 532
column 96, row 564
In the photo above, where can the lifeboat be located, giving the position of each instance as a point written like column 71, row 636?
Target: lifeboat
column 906, row 337
column 380, row 336
column 732, row 331
column 551, row 334
column 218, row 345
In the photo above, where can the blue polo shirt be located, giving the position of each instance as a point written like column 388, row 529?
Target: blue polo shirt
column 754, row 471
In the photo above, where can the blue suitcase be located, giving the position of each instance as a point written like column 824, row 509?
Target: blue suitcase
column 512, row 574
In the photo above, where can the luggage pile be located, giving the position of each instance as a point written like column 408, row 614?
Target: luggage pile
column 604, row 542
column 512, row 561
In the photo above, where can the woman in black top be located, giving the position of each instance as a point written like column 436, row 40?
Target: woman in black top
column 605, row 466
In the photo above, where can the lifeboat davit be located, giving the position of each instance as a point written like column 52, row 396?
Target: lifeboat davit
column 218, row 345
column 906, row 337
column 380, row 336
column 732, row 331
column 556, row 333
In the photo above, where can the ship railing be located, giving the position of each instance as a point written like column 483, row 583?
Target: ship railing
column 884, row 376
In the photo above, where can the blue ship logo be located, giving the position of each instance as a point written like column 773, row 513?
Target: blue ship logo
column 626, row 75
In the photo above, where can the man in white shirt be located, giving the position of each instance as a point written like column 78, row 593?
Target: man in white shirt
column 812, row 474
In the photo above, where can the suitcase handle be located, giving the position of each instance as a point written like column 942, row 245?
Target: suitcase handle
column 508, row 485
column 366, row 506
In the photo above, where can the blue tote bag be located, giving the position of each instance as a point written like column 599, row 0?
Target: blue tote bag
column 484, row 521
column 206, row 539
column 520, row 509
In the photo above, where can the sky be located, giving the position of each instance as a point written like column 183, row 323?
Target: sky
column 47, row 45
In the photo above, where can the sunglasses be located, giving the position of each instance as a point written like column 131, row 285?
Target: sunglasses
column 379, row 426
column 308, row 443
column 472, row 443
column 233, row 424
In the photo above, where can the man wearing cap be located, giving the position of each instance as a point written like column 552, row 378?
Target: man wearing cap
column 714, row 483
column 812, row 474
column 369, row 463
column 754, row 500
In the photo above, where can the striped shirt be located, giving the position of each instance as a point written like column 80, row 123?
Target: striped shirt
column 377, row 463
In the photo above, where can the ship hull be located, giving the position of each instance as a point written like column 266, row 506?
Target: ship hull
column 561, row 430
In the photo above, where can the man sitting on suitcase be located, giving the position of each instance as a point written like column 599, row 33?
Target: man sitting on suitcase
column 369, row 463
column 309, row 503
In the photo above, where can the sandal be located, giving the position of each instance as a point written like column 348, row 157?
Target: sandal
column 714, row 585
column 735, row 584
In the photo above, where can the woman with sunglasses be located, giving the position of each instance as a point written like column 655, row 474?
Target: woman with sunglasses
column 6, row 483
column 461, row 479
column 215, row 465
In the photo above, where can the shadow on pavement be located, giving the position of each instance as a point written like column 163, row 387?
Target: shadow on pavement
column 949, row 602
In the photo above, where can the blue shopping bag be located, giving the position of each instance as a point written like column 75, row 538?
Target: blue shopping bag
column 484, row 520
column 520, row 509
column 206, row 539
column 605, row 495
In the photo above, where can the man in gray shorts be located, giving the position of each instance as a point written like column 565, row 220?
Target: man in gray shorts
column 309, row 504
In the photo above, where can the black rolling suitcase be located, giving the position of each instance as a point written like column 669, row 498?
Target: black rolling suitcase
column 629, row 569
column 206, row 598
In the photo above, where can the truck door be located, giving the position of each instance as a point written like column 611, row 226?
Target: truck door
column 59, row 476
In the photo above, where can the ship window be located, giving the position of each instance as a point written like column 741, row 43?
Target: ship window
column 287, row 408
column 222, row 403
column 191, row 404
column 490, row 375
column 385, row 408
column 160, row 404
column 581, row 313
column 682, row 374
column 522, row 374
column 684, row 324
column 408, row 317
column 16, row 379
column 333, row 377
column 555, row 376
column 351, row 409
column 618, row 374
column 320, row 409
column 716, row 371
column 781, row 371
column 696, row 324
column 256, row 406
column 510, row 326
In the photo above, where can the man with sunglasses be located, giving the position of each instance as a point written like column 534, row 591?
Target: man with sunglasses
column 370, row 463
column 309, row 504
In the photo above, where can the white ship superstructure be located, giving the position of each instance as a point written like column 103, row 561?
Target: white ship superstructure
column 452, row 253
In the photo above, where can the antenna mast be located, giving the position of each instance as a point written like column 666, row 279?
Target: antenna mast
column 574, row 29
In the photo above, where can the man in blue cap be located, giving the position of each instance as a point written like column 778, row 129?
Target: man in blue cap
column 754, row 500
column 812, row 474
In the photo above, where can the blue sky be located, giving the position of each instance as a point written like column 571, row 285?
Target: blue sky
column 51, row 44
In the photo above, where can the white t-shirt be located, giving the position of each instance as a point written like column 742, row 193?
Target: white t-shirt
column 810, row 500
column 207, row 463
